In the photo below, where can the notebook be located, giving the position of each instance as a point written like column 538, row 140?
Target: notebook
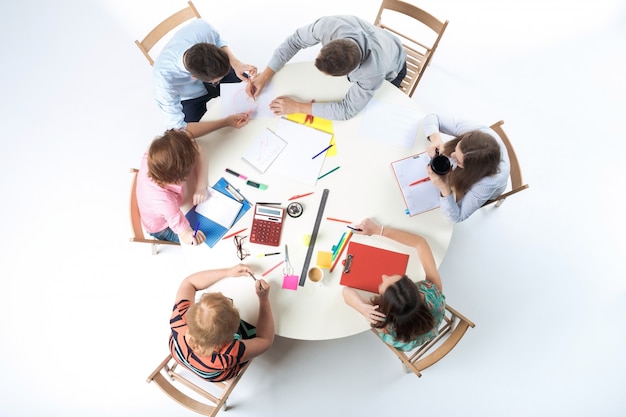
column 264, row 150
column 224, row 207
column 365, row 265
column 420, row 197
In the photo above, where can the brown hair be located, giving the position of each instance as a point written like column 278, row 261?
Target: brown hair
column 338, row 57
column 211, row 323
column 481, row 157
column 405, row 312
column 171, row 157
column 206, row 62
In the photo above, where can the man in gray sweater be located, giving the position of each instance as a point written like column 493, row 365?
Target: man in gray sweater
column 351, row 46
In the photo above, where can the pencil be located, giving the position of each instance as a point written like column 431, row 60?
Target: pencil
column 329, row 172
column 272, row 268
column 233, row 234
column 345, row 244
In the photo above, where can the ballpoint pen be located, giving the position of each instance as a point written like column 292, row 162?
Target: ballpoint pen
column 195, row 231
column 419, row 181
column 329, row 172
column 322, row 151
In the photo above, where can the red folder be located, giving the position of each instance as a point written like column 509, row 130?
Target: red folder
column 365, row 265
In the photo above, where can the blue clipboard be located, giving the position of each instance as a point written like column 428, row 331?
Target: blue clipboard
column 213, row 231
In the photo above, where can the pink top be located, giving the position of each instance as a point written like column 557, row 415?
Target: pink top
column 159, row 207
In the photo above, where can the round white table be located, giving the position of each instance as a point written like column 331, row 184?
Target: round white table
column 364, row 186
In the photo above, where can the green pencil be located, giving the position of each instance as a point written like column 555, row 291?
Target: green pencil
column 329, row 172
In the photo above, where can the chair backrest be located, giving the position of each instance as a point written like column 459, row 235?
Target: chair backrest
column 135, row 218
column 452, row 329
column 517, row 181
column 409, row 22
column 164, row 28
column 203, row 397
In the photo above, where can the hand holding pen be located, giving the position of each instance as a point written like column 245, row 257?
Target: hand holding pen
column 367, row 227
column 238, row 120
column 193, row 236
column 262, row 288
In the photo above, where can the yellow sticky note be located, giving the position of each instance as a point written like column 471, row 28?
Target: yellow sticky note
column 319, row 123
column 324, row 259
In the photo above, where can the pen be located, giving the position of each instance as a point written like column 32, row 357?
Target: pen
column 252, row 275
column 300, row 196
column 236, row 233
column 196, row 231
column 329, row 172
column 256, row 185
column 252, row 87
column 322, row 151
column 236, row 174
column 260, row 255
column 354, row 228
column 419, row 181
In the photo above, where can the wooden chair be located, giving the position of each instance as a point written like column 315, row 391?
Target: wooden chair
column 164, row 28
column 135, row 219
column 452, row 329
column 517, row 182
column 405, row 18
column 190, row 394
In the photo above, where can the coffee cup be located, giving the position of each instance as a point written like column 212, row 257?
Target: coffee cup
column 440, row 164
column 316, row 274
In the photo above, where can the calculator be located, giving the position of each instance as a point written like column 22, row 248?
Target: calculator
column 267, row 225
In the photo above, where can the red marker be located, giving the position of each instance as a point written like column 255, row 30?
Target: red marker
column 419, row 181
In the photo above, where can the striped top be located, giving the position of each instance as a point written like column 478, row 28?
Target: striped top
column 219, row 366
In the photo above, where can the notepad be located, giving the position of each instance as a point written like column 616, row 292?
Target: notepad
column 365, row 265
column 221, row 214
column 264, row 150
column 420, row 197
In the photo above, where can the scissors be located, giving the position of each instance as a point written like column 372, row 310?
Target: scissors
column 309, row 117
column 287, row 269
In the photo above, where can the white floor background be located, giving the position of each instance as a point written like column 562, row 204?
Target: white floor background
column 84, row 313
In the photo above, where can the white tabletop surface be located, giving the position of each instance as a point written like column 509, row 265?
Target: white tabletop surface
column 364, row 186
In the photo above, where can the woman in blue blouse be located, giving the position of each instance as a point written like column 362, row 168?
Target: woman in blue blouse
column 405, row 314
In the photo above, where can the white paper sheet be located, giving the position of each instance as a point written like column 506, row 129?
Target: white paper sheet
column 394, row 125
column 264, row 150
column 303, row 142
column 220, row 208
column 235, row 100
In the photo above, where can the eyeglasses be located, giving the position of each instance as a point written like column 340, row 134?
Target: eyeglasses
column 242, row 252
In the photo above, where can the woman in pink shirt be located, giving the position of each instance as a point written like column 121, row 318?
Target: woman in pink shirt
column 171, row 160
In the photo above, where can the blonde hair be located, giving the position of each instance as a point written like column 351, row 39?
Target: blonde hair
column 211, row 323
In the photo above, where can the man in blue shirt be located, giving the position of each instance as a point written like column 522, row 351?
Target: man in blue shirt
column 188, row 71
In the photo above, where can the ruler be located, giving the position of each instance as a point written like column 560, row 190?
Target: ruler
column 316, row 227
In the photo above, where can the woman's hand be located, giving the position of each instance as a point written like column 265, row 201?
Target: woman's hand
column 368, row 227
column 240, row 270
column 442, row 182
column 200, row 195
column 238, row 120
column 262, row 289
column 371, row 313
column 436, row 142
column 187, row 237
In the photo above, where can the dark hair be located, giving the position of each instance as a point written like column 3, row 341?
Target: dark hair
column 207, row 62
column 405, row 312
column 338, row 57
column 481, row 157
column 171, row 157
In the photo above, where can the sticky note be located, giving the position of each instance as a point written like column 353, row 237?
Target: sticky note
column 290, row 282
column 324, row 259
